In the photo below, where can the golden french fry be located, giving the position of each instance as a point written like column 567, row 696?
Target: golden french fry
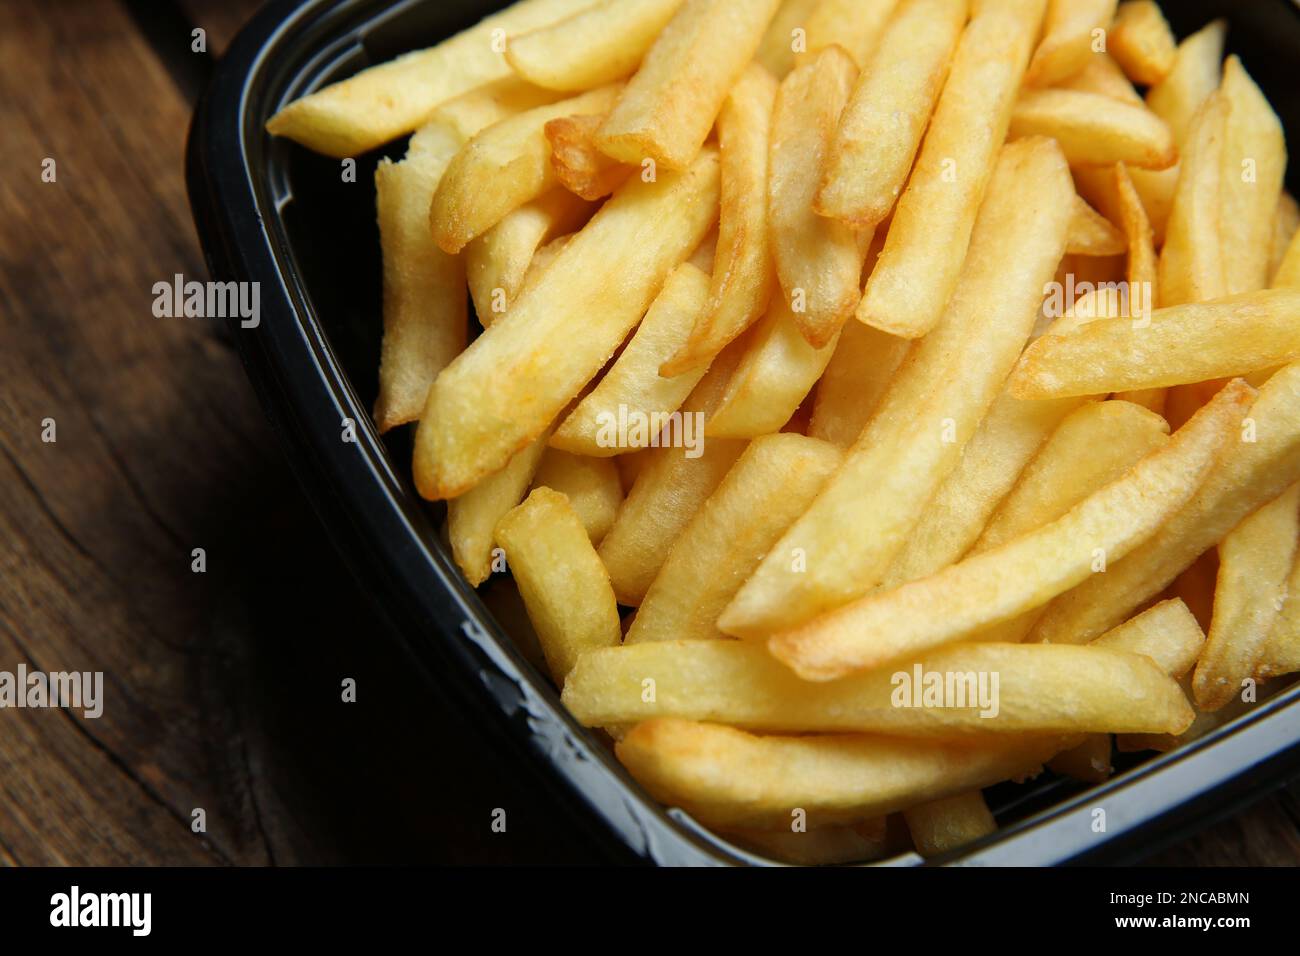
column 392, row 99
column 1166, row 632
column 1092, row 234
column 999, row 584
column 1252, row 472
column 854, row 25
column 927, row 243
column 776, row 51
column 1102, row 75
column 669, row 106
column 1070, row 31
column 961, row 690
column 1093, row 128
column 1288, row 273
column 591, row 484
column 1141, row 42
column 860, row 370
column 1282, row 649
column 1182, row 344
column 726, row 777
column 940, row 826
column 497, row 261
column 818, row 260
column 776, row 372
column 770, row 485
column 503, row 390
column 1190, row 81
column 743, row 273
column 931, row 409
column 1192, row 258
column 632, row 393
column 1286, row 225
column 580, row 167
column 543, row 259
column 594, row 46
column 501, row 168
column 1255, row 563
column 1142, row 269
column 881, row 127
column 472, row 518
column 821, row 846
column 1008, row 438
column 563, row 584
column 1254, row 160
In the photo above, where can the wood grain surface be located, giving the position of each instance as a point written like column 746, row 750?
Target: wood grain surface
column 222, row 687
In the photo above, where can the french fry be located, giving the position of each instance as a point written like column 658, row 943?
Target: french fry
column 1092, row 234
column 1195, row 587
column 1282, row 649
column 497, row 261
column 1008, row 438
column 821, row 846
column 1089, row 761
column 591, row 485
column 594, row 46
column 854, row 25
column 999, row 584
column 725, row 777
column 776, row 51
column 943, row 391
column 580, row 167
column 770, row 485
column 1070, row 31
column 668, row 107
column 503, row 390
column 818, row 260
column 1141, row 42
column 1166, row 632
column 1093, row 128
column 1102, row 75
column 1288, row 273
column 563, row 584
column 1192, row 258
column 501, row 168
column 743, row 273
column 1190, row 81
column 1286, row 225
column 1254, row 160
column 1251, row 473
column 392, row 99
column 543, row 259
column 944, row 825
column 632, row 389
column 1255, row 562
column 948, row 692
column 629, row 466
column 472, row 518
column 1182, row 344
column 927, row 243
column 669, row 489
column 881, row 127
column 863, row 364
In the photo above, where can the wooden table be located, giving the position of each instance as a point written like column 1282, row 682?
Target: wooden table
column 222, row 687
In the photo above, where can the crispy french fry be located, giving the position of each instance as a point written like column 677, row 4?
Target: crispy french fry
column 497, row 261
column 591, row 484
column 941, row 393
column 392, row 99
column 1282, row 649
column 1182, row 344
column 822, row 846
column 1102, row 75
column 1142, row 268
column 1008, row 438
column 1166, row 632
column 1286, row 225
column 501, row 168
column 1190, row 81
column 543, row 259
column 1141, row 42
column 632, row 390
column 1070, row 31
column 818, row 260
column 776, row 51
column 743, row 273
column 1192, row 258
column 563, row 584
column 854, row 25
column 927, row 243
column 503, row 390
column 1255, row 562
column 1251, row 473
column 770, row 485
column 999, row 584
column 949, row 692
column 669, row 106
column 1093, row 128
column 580, row 167
column 1092, row 234
column 1254, row 160
column 860, row 370
column 944, row 825
column 1288, row 273
column 472, row 518
column 726, row 777
column 596, row 45
column 881, row 127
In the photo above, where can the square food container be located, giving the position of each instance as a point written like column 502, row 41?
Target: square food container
column 269, row 211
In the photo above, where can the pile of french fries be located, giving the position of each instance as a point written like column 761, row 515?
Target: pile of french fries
column 838, row 356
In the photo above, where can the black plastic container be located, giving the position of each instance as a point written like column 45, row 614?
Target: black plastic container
column 270, row 212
